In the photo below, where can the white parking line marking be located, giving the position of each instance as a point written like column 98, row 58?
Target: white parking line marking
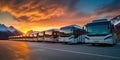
column 82, row 53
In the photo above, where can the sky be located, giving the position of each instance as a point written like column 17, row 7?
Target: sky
column 41, row 15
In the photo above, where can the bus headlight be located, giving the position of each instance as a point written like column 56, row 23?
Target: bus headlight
column 108, row 37
column 71, row 37
column 87, row 38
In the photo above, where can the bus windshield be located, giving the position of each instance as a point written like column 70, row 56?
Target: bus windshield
column 48, row 33
column 41, row 34
column 98, row 29
column 66, row 32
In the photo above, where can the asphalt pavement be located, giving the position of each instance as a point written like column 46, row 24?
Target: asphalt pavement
column 18, row 50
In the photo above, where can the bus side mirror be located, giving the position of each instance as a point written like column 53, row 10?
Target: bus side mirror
column 84, row 28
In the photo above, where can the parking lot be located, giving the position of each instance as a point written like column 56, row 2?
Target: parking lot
column 18, row 50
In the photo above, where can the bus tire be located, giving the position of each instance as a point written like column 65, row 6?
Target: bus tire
column 93, row 44
column 65, row 42
column 111, row 45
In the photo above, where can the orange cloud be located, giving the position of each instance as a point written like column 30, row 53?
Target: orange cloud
column 46, row 14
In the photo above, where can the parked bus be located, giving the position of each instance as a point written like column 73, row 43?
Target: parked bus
column 40, row 36
column 15, row 37
column 51, row 35
column 100, row 31
column 72, row 34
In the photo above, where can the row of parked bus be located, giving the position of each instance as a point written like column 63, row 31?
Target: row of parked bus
column 99, row 31
column 67, row 34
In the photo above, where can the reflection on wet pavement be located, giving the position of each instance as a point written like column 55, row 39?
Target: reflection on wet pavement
column 14, row 51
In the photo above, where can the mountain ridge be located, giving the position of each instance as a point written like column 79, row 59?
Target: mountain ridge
column 5, row 31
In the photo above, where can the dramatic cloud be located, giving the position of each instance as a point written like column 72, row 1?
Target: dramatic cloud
column 36, row 10
column 45, row 14
column 115, row 6
column 110, row 10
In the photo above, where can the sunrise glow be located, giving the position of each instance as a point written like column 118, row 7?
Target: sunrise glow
column 42, row 15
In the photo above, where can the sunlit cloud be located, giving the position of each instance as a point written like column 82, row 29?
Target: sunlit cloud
column 46, row 14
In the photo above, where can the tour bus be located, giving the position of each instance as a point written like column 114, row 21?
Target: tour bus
column 15, row 37
column 22, row 37
column 40, row 36
column 28, row 37
column 51, row 35
column 12, row 37
column 100, row 31
column 34, row 37
column 72, row 34
column 19, row 37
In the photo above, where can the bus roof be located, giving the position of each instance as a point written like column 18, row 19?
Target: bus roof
column 71, row 26
column 99, row 20
column 100, row 23
column 53, row 30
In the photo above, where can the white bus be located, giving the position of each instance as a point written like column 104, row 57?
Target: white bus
column 72, row 34
column 51, row 35
column 40, row 36
column 29, row 37
column 100, row 31
column 15, row 37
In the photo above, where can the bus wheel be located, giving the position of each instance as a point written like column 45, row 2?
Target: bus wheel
column 65, row 42
column 115, row 44
column 93, row 44
column 112, row 45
